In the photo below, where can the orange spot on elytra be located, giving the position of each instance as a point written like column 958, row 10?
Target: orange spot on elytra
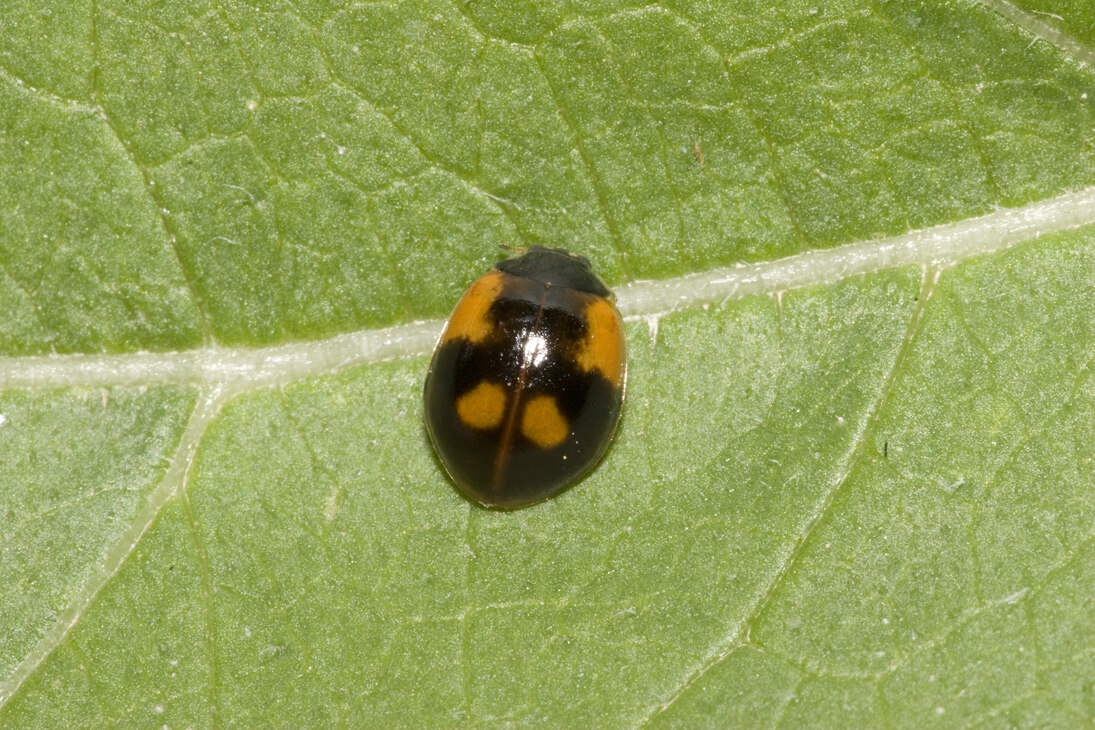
column 603, row 347
column 482, row 406
column 543, row 424
column 469, row 320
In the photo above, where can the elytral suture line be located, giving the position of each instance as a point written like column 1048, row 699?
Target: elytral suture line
column 236, row 370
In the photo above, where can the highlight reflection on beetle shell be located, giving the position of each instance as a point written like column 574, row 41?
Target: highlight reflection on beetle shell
column 527, row 381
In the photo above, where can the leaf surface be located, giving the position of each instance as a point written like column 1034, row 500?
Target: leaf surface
column 853, row 482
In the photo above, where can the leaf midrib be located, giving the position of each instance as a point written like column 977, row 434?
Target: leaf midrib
column 238, row 370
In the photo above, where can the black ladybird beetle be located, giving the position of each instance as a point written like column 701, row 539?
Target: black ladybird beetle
column 526, row 383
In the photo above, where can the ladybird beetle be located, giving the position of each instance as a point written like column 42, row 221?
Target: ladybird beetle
column 527, row 381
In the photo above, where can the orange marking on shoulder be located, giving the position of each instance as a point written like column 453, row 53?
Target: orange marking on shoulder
column 482, row 406
column 603, row 346
column 470, row 319
column 543, row 424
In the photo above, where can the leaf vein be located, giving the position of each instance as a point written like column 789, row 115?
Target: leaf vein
column 742, row 633
column 1043, row 30
column 148, row 184
column 174, row 480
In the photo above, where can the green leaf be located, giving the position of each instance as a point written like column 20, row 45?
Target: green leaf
column 853, row 482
